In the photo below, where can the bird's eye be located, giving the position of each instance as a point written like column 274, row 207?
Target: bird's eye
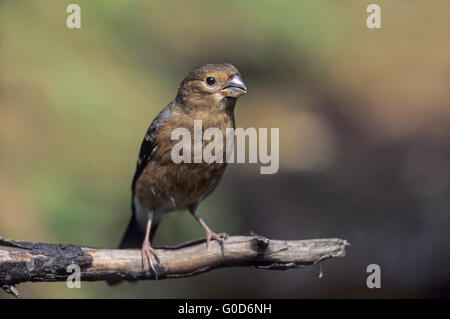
column 210, row 80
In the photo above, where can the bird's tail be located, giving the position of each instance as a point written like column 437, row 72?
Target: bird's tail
column 132, row 239
column 133, row 236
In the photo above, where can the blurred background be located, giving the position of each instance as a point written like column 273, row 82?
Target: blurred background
column 364, row 118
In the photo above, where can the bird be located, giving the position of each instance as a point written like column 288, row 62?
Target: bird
column 160, row 186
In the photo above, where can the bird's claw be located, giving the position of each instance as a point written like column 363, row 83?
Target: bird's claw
column 213, row 236
column 148, row 252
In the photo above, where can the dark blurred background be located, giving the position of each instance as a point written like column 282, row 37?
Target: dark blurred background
column 364, row 118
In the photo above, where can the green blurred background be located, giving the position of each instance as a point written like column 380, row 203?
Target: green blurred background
column 364, row 118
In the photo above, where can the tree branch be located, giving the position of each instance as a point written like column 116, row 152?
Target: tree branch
column 30, row 261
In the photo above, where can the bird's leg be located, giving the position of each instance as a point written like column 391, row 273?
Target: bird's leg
column 147, row 249
column 209, row 233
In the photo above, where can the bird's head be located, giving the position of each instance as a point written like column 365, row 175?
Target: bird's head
column 211, row 84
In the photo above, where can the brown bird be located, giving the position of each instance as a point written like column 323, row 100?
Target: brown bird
column 208, row 93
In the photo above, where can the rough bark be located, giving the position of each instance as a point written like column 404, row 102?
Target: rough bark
column 35, row 262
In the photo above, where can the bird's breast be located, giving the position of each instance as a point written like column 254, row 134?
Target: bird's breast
column 166, row 185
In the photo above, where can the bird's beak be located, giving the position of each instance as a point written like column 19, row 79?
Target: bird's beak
column 234, row 87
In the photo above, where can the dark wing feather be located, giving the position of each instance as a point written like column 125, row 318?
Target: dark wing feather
column 134, row 235
column 149, row 143
column 147, row 147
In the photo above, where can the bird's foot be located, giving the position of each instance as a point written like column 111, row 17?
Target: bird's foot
column 210, row 235
column 148, row 252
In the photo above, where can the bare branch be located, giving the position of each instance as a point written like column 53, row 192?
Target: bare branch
column 29, row 261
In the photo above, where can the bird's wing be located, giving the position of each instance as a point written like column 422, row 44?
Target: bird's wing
column 149, row 143
column 133, row 236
